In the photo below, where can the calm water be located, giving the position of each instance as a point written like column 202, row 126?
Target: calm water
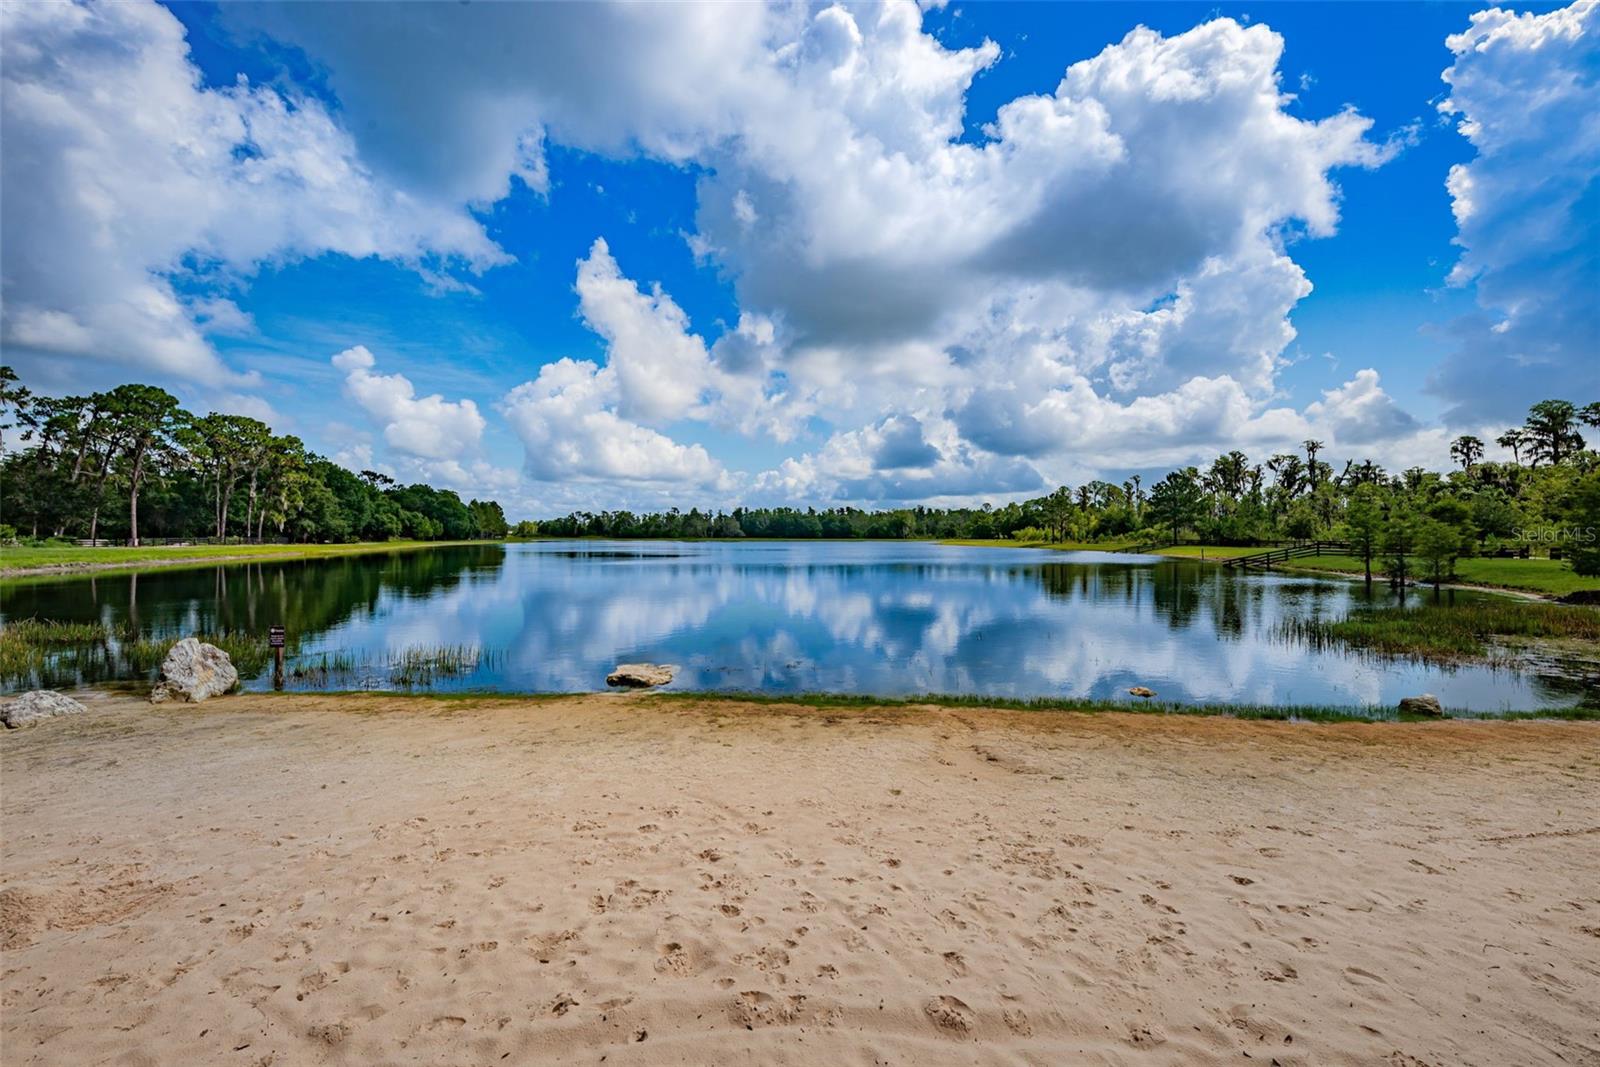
column 884, row 618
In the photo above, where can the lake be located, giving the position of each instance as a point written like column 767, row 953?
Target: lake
column 884, row 618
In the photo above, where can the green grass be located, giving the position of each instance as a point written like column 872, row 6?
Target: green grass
column 415, row 667
column 1209, row 551
column 1288, row 712
column 1059, row 546
column 46, row 632
column 1546, row 576
column 1486, row 630
column 423, row 665
column 23, row 558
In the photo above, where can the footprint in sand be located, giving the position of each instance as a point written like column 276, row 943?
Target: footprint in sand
column 957, row 964
column 674, row 959
column 1017, row 1022
column 329, row 1033
column 950, row 1015
column 753, row 1008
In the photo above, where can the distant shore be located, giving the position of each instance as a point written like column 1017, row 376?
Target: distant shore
column 18, row 561
column 1542, row 578
column 366, row 878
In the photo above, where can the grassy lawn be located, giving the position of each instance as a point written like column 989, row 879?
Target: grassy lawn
column 23, row 559
column 1059, row 546
column 1208, row 551
column 1552, row 577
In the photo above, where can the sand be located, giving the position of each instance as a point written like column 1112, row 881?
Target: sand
column 619, row 879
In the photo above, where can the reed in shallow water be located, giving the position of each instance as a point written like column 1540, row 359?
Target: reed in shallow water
column 29, row 647
column 1448, row 633
column 414, row 667
column 50, row 632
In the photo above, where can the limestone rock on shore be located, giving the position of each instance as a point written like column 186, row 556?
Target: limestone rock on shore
column 25, row 709
column 1426, row 704
column 194, row 671
column 640, row 675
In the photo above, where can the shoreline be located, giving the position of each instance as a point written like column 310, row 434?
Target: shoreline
column 234, row 554
column 271, row 879
column 952, row 702
column 225, row 555
column 1427, row 587
column 1229, row 551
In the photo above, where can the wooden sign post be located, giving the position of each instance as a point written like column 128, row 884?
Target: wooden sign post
column 275, row 639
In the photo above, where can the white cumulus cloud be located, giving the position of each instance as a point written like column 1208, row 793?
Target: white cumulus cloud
column 568, row 422
column 429, row 427
column 123, row 172
column 1523, row 90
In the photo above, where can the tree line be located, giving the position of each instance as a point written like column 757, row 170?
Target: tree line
column 1546, row 499
column 130, row 463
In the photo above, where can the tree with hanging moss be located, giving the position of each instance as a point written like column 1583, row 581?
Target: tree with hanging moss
column 1364, row 524
column 1583, row 520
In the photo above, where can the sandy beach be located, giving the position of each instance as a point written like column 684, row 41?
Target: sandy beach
column 277, row 880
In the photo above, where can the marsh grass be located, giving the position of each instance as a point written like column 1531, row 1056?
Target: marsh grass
column 19, row 659
column 48, row 632
column 31, row 647
column 415, row 667
column 1477, row 631
column 421, row 666
column 249, row 654
column 320, row 669
column 27, row 645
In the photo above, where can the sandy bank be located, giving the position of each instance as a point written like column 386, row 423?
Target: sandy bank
column 308, row 880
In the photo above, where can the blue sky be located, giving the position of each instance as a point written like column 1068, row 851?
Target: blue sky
column 955, row 281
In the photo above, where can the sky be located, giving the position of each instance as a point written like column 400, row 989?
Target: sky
column 600, row 256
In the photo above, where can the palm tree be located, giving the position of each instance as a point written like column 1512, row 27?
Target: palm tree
column 1466, row 450
column 1514, row 440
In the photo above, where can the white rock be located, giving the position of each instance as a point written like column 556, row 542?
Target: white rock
column 640, row 675
column 194, row 671
column 25, row 709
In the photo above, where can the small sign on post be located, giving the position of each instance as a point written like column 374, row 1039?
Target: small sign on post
column 275, row 642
